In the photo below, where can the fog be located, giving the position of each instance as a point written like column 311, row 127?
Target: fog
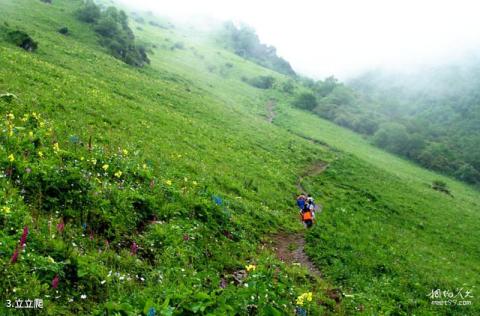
column 346, row 37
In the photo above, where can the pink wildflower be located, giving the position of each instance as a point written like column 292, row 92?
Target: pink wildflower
column 23, row 240
column 14, row 256
column 133, row 249
column 55, row 281
column 61, row 226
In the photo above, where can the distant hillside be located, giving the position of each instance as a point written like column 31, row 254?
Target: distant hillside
column 431, row 116
column 244, row 42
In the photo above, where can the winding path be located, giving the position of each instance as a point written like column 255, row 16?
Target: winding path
column 290, row 248
column 271, row 104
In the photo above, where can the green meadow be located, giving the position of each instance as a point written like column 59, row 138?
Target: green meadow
column 155, row 190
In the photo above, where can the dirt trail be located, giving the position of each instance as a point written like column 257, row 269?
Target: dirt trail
column 290, row 248
column 271, row 111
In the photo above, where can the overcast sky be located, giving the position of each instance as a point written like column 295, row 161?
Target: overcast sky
column 345, row 37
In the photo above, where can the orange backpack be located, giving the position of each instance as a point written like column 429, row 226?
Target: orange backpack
column 307, row 215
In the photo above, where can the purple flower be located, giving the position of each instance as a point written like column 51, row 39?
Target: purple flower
column 14, row 256
column 55, row 281
column 186, row 237
column 133, row 249
column 23, row 240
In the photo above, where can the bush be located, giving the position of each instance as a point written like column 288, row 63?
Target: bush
column 116, row 35
column 64, row 30
column 261, row 82
column 90, row 12
column 441, row 186
column 23, row 40
column 306, row 101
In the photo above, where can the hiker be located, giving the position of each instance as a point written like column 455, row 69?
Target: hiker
column 301, row 201
column 306, row 216
column 311, row 205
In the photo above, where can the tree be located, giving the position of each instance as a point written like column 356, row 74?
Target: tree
column 306, row 101
column 89, row 13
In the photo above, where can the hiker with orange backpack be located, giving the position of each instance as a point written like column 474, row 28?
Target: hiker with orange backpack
column 306, row 215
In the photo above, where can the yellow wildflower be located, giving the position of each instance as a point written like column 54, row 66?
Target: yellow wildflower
column 105, row 167
column 118, row 174
column 30, row 134
column 56, row 147
column 11, row 158
column 308, row 296
column 6, row 209
column 94, row 161
column 194, row 182
column 25, row 118
column 50, row 259
column 125, row 152
column 250, row 267
column 10, row 116
column 40, row 154
column 82, row 158
column 144, row 166
column 168, row 182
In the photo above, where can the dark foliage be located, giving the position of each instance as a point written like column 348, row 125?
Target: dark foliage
column 245, row 42
column 23, row 40
column 112, row 26
column 306, row 101
column 261, row 82
column 64, row 30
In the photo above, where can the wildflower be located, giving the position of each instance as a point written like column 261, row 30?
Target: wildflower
column 11, row 158
column 308, row 296
column 30, row 134
column 144, row 166
column 105, row 167
column 125, row 152
column 14, row 256
column 168, row 182
column 10, row 116
column 56, row 147
column 50, row 259
column 55, row 281
column 94, row 161
column 25, row 117
column 250, row 267
column 6, row 209
column 40, row 154
column 83, row 296
column 91, row 235
column 133, row 249
column 23, row 240
column 118, row 174
column 186, row 237
column 82, row 158
column 61, row 226
column 194, row 182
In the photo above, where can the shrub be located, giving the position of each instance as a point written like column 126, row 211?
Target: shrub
column 305, row 101
column 261, row 82
column 23, row 40
column 441, row 186
column 89, row 13
column 64, row 30
column 116, row 35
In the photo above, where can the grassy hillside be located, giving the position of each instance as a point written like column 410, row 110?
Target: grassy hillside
column 155, row 186
column 386, row 235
